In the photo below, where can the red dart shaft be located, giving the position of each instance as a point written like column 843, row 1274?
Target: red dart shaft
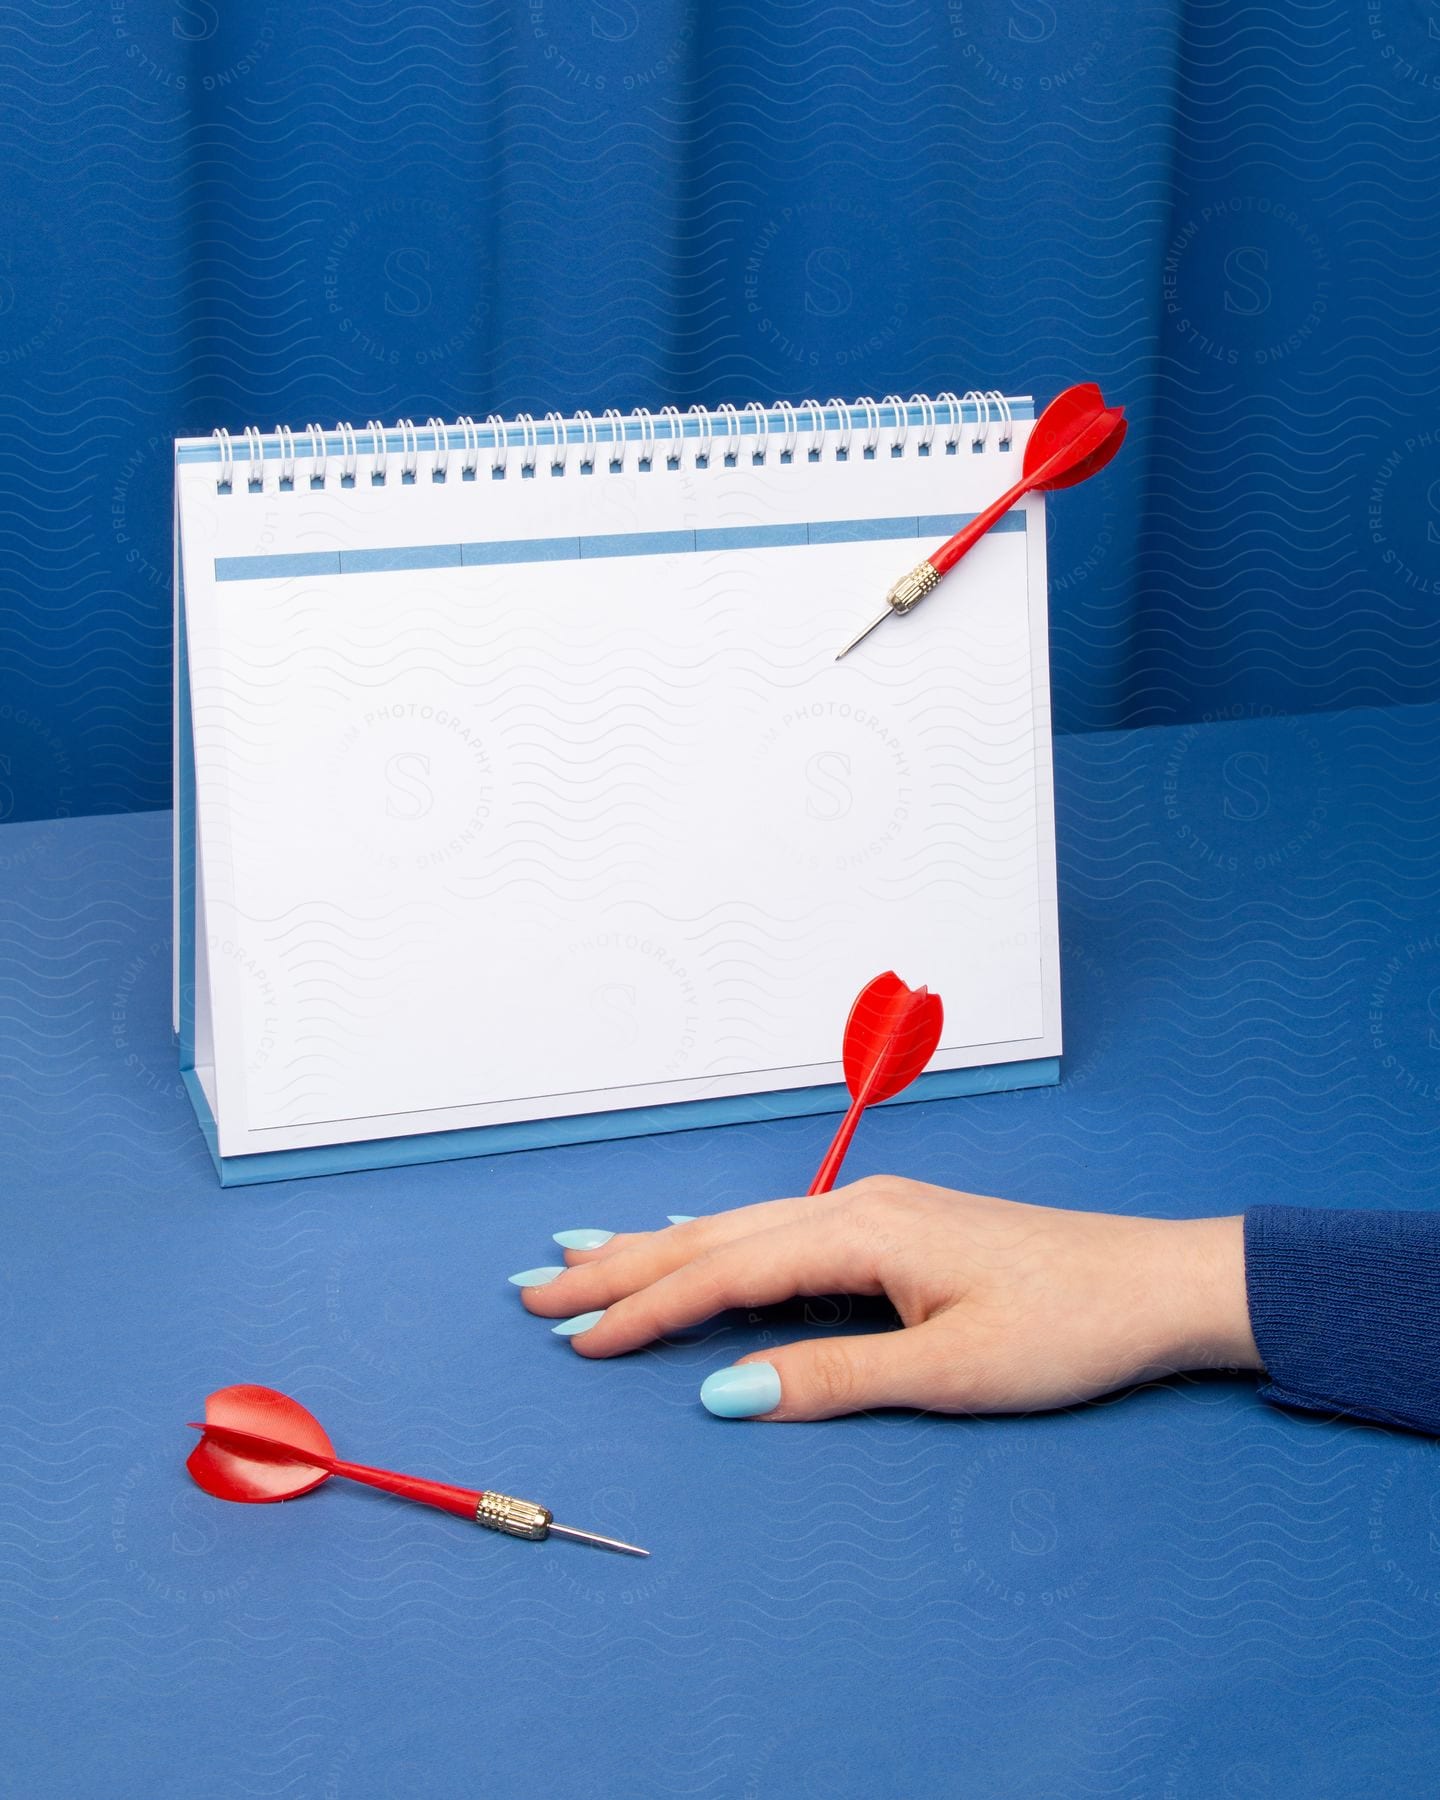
column 835, row 1155
column 839, row 1145
column 945, row 558
column 457, row 1500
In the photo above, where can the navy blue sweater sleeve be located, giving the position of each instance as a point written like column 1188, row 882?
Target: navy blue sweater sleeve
column 1345, row 1308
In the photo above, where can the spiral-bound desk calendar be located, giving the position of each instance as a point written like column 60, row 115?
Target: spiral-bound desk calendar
column 520, row 798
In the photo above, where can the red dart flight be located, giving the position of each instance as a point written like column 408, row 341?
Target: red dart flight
column 890, row 1035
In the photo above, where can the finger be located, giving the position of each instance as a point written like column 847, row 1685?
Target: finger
column 760, row 1269
column 825, row 1377
column 577, row 1253
column 576, row 1256
column 646, row 1256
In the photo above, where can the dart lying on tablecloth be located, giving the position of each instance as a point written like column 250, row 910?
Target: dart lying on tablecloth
column 260, row 1445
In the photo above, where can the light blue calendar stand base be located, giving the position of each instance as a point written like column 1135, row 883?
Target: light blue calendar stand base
column 586, row 1128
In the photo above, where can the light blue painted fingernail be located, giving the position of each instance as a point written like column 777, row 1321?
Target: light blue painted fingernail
column 581, row 1322
column 536, row 1277
column 681, row 1218
column 588, row 1239
column 742, row 1391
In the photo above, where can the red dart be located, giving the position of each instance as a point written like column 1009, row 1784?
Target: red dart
column 890, row 1035
column 1075, row 436
column 260, row 1445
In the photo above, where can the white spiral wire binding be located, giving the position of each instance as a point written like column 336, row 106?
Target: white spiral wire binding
column 705, row 435
column 560, row 448
column 319, row 454
column 674, row 435
column 762, row 431
column 500, row 453
column 819, row 430
column 981, row 428
column 226, row 476
column 254, row 459
column 669, row 435
column 529, row 442
column 872, row 424
column 952, row 424
column 792, row 430
column 586, row 422
column 440, row 448
column 927, row 420
column 902, row 420
column 409, row 450
column 842, row 412
column 615, row 419
column 470, row 448
column 730, row 448
column 645, row 455
column 379, row 453
column 760, row 440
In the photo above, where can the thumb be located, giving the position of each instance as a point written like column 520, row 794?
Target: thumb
column 825, row 1377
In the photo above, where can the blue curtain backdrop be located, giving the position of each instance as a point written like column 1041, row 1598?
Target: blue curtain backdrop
column 1228, row 216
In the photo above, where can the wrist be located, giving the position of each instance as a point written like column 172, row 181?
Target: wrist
column 1205, row 1282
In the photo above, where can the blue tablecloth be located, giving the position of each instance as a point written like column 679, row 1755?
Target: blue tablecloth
column 1176, row 1592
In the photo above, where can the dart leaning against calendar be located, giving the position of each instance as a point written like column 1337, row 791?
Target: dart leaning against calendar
column 520, row 798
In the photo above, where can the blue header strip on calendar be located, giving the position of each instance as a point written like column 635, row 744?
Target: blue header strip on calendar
column 287, row 565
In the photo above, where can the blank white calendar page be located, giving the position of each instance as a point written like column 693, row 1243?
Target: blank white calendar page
column 588, row 818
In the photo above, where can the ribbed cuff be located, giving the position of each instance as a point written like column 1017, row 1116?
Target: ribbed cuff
column 1345, row 1308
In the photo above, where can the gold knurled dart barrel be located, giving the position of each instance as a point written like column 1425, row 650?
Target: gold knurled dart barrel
column 523, row 1518
column 912, row 587
column 520, row 1518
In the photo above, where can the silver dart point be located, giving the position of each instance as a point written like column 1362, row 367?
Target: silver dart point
column 866, row 632
column 593, row 1537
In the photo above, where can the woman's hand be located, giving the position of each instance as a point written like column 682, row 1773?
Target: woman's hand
column 1004, row 1307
